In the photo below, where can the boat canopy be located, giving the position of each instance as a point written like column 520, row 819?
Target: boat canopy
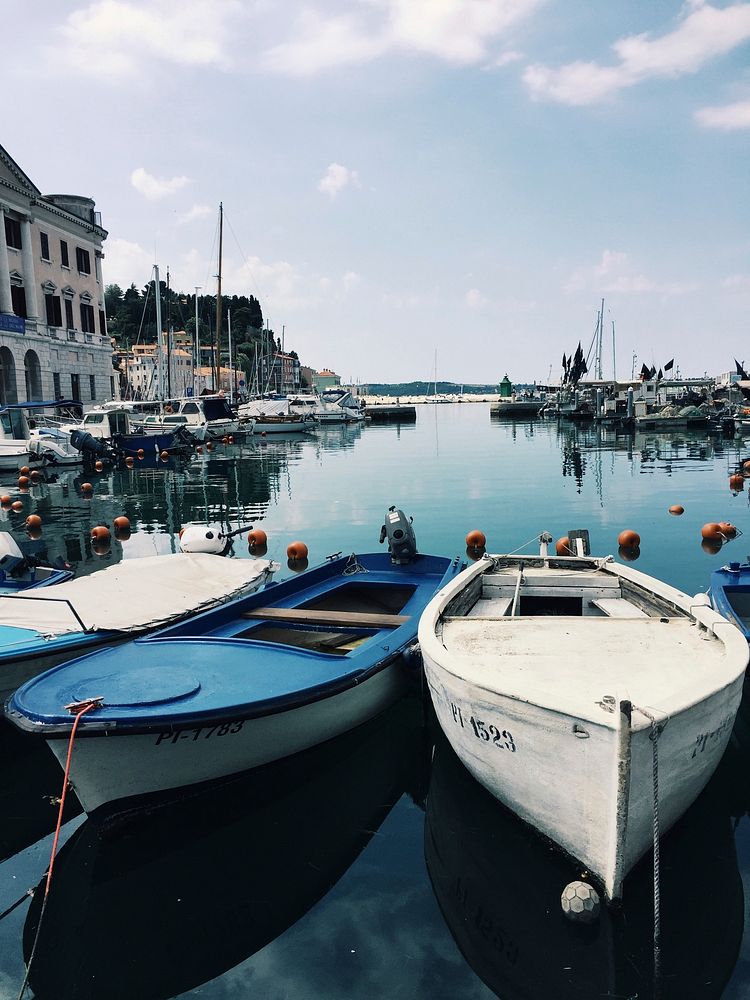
column 137, row 594
column 41, row 404
column 217, row 409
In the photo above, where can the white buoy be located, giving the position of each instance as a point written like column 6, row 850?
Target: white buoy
column 203, row 538
column 580, row 902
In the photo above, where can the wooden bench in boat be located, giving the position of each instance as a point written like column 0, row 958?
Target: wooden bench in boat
column 310, row 616
column 618, row 607
column 491, row 607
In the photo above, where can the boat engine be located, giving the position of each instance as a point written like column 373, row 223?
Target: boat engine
column 204, row 538
column 402, row 542
column 84, row 442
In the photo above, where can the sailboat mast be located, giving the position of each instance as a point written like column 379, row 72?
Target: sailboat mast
column 614, row 354
column 217, row 335
column 159, row 336
column 197, row 345
column 169, row 339
column 231, row 368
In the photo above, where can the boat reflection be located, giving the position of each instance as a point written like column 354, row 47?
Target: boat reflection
column 498, row 885
column 181, row 896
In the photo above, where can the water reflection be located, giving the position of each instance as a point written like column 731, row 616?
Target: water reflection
column 499, row 885
column 179, row 897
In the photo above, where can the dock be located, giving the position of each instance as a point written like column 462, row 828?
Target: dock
column 385, row 413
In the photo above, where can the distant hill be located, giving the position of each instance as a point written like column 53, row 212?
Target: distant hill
column 427, row 389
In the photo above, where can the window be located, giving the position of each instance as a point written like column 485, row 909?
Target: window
column 83, row 261
column 92, row 386
column 64, row 260
column 102, row 323
column 13, row 233
column 45, row 245
column 112, row 385
column 56, row 385
column 69, row 323
column 54, row 311
column 18, row 298
column 75, row 387
column 87, row 318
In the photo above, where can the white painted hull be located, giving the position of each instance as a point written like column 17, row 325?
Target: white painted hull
column 111, row 767
column 566, row 786
column 283, row 427
column 13, row 457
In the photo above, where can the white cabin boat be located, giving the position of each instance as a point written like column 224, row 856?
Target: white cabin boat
column 275, row 416
column 206, row 416
column 14, row 438
column 549, row 677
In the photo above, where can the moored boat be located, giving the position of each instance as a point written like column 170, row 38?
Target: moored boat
column 38, row 631
column 259, row 679
column 552, row 677
column 730, row 594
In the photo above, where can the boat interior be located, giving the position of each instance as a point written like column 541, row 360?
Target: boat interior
column 566, row 587
column 739, row 600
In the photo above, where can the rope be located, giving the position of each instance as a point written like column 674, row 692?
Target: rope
column 354, row 566
column 656, row 730
column 80, row 709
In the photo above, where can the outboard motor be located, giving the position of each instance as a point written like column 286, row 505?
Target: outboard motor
column 402, row 543
column 84, row 442
column 204, row 538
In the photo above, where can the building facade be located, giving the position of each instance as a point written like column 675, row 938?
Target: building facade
column 326, row 379
column 53, row 330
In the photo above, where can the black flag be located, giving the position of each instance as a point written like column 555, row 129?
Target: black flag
column 660, row 375
column 645, row 372
column 652, row 372
column 740, row 370
column 669, row 365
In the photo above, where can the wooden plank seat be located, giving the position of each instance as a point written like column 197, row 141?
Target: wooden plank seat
column 618, row 607
column 308, row 616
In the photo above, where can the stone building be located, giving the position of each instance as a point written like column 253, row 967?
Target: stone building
column 53, row 331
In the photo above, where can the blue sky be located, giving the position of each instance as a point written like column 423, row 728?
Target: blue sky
column 405, row 177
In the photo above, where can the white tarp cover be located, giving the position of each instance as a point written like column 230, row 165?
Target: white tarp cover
column 136, row 594
column 264, row 408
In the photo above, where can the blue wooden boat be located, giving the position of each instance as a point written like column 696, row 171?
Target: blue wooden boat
column 256, row 680
column 20, row 572
column 39, row 629
column 730, row 594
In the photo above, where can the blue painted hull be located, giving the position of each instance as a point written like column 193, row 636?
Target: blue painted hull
column 238, row 686
column 730, row 595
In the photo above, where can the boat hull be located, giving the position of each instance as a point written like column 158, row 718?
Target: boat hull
column 115, row 771
column 591, row 794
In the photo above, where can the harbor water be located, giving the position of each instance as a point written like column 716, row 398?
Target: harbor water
column 374, row 866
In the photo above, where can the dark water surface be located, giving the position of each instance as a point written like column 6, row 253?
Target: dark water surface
column 374, row 866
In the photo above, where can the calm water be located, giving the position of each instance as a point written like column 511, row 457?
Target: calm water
column 374, row 866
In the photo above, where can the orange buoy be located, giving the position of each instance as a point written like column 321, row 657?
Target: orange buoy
column 746, row 466
column 101, row 532
column 5, row 500
column 24, row 470
column 257, row 550
column 17, row 505
column 676, row 509
column 100, row 546
column 34, row 522
column 99, row 466
column 728, row 530
column 711, row 545
column 35, row 476
column 199, row 450
column 562, row 546
column 129, row 461
column 121, row 523
column 712, row 532
column 23, row 482
column 164, row 456
column 34, row 533
column 225, row 439
column 297, row 565
column 629, row 539
column 230, row 439
column 141, row 453
column 256, row 538
column 629, row 552
column 209, row 446
column 296, row 551
column 737, row 482
column 86, row 487
column 476, row 539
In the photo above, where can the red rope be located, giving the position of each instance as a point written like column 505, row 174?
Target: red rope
column 80, row 712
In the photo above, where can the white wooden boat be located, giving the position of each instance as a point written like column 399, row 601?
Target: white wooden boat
column 549, row 676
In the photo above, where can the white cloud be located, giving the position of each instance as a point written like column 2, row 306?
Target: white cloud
column 116, row 39
column 154, row 188
column 196, row 212
column 457, row 31
column 616, row 274
column 728, row 117
column 704, row 33
column 126, row 263
column 336, row 178
column 505, row 59
column 475, row 299
column 737, row 281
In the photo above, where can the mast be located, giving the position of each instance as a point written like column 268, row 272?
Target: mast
column 614, row 354
column 169, row 339
column 231, row 369
column 600, row 344
column 197, row 360
column 217, row 335
column 159, row 336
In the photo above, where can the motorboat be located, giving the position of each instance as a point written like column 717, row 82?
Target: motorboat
column 19, row 572
column 730, row 594
column 276, row 841
column 275, row 416
column 38, row 631
column 339, row 406
column 264, row 677
column 552, row 678
column 15, row 448
column 207, row 416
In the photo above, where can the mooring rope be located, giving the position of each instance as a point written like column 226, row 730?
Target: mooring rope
column 656, row 729
column 80, row 709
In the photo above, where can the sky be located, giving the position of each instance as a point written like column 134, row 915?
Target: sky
column 412, row 188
